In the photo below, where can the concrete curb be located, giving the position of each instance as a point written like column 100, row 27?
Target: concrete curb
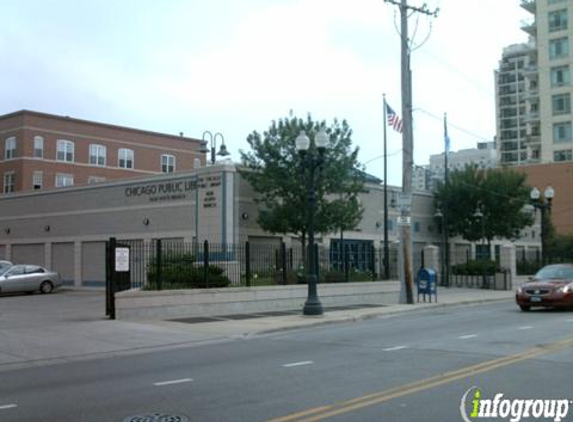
column 387, row 312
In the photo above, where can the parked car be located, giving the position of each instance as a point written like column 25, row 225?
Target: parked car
column 552, row 286
column 4, row 265
column 28, row 278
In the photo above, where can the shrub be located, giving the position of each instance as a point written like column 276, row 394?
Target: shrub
column 178, row 271
column 476, row 267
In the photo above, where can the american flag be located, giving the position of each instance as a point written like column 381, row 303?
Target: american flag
column 393, row 119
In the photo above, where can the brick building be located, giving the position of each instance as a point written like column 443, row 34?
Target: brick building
column 559, row 177
column 46, row 151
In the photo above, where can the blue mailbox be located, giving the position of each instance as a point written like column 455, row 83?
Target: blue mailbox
column 427, row 283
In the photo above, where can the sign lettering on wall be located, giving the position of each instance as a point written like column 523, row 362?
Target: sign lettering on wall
column 166, row 191
column 210, row 184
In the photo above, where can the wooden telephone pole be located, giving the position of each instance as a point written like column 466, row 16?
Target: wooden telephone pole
column 406, row 274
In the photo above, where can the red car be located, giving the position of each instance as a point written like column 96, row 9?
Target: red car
column 551, row 287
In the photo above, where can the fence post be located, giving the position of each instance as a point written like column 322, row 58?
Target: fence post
column 111, row 281
column 159, row 263
column 206, row 263
column 248, row 264
column 346, row 269
column 283, row 261
column 373, row 262
column 316, row 262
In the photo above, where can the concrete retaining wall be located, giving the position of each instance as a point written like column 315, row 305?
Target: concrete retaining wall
column 168, row 304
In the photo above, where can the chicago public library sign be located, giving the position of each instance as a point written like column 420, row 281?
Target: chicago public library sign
column 178, row 190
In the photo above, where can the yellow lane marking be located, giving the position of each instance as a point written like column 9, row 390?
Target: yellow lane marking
column 335, row 409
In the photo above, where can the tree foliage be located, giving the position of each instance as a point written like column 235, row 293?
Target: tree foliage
column 500, row 194
column 274, row 169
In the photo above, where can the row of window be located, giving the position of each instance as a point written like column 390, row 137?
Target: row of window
column 62, row 180
column 65, row 152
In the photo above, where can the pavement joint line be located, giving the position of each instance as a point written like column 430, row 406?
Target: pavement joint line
column 8, row 406
column 467, row 336
column 302, row 363
column 171, row 382
column 336, row 409
column 395, row 348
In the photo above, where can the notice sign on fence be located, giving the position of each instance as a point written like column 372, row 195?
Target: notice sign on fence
column 121, row 260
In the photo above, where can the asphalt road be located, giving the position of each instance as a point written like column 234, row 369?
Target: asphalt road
column 408, row 367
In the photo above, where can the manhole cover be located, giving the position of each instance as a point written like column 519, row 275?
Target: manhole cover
column 157, row 417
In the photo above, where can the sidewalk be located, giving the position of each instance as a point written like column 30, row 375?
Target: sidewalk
column 70, row 325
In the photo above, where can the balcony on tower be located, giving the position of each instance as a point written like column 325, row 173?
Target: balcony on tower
column 529, row 26
column 529, row 5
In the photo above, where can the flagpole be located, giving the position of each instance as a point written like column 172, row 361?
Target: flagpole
column 386, row 251
column 444, row 211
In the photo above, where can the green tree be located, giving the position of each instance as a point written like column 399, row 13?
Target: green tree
column 274, row 169
column 500, row 195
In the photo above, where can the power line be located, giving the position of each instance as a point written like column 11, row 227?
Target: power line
column 382, row 156
column 459, row 128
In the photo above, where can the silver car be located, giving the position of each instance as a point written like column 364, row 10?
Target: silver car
column 28, row 278
column 4, row 265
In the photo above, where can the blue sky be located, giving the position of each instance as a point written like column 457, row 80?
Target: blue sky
column 233, row 66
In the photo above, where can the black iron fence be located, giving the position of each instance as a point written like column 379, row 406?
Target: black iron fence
column 164, row 264
column 465, row 270
column 529, row 262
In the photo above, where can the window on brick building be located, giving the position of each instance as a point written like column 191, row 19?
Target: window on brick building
column 63, row 180
column 38, row 147
column 97, row 155
column 125, row 158
column 65, row 150
column 167, row 163
column 92, row 180
column 37, row 180
column 9, row 182
column 10, row 150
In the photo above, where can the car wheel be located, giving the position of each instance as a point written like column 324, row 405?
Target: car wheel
column 525, row 308
column 46, row 287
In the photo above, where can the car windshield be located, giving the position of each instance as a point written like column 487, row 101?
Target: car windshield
column 555, row 272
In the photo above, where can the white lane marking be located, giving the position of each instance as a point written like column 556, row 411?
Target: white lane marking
column 393, row 349
column 181, row 381
column 467, row 336
column 570, row 320
column 290, row 365
column 8, row 406
column 525, row 327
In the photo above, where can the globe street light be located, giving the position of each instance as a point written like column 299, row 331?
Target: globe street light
column 478, row 214
column 223, row 152
column 544, row 205
column 311, row 160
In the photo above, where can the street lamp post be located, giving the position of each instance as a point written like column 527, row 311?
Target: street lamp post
column 544, row 205
column 480, row 215
column 223, row 152
column 311, row 159
column 443, row 249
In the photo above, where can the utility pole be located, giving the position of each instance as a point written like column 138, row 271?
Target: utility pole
column 406, row 275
